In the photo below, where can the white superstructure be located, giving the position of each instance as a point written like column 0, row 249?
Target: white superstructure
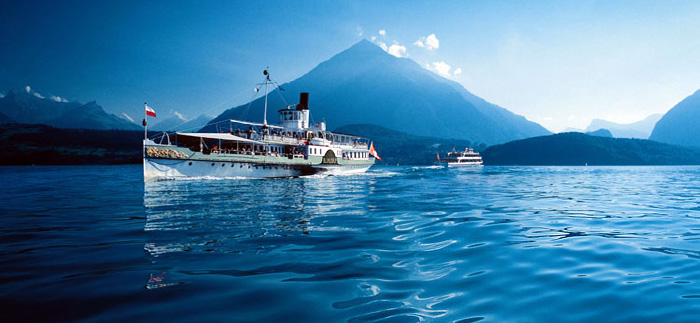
column 467, row 157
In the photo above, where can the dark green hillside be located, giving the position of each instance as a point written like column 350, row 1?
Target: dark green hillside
column 396, row 147
column 579, row 149
column 44, row 145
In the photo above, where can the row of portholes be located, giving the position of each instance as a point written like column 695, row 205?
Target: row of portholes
column 256, row 167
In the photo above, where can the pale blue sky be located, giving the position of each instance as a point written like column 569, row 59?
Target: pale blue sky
column 559, row 63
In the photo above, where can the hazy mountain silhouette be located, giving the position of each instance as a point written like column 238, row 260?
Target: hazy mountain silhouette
column 194, row 124
column 23, row 107
column 600, row 133
column 572, row 129
column 26, row 108
column 364, row 84
column 91, row 116
column 178, row 123
column 681, row 124
column 168, row 123
column 640, row 129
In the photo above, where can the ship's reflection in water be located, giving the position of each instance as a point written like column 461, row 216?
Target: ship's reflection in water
column 235, row 216
column 214, row 228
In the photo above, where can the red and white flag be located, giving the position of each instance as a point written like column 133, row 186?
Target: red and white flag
column 150, row 111
column 373, row 151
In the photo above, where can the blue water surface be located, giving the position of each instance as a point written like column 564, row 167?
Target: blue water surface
column 398, row 244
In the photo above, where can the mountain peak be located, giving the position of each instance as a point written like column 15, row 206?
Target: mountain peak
column 679, row 125
column 363, row 45
column 360, row 55
column 366, row 85
column 640, row 129
column 27, row 107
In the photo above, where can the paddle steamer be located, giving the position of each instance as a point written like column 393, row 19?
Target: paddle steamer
column 294, row 147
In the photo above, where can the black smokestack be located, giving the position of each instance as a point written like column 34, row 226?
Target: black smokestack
column 303, row 101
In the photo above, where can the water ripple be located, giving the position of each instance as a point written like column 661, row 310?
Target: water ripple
column 399, row 244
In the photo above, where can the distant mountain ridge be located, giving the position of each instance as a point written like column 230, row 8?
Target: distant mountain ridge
column 25, row 108
column 681, row 124
column 364, row 84
column 178, row 123
column 168, row 123
column 641, row 129
column 601, row 133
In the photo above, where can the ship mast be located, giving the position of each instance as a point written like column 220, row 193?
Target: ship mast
column 267, row 81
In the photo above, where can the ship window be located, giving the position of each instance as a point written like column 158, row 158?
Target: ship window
column 190, row 163
column 212, row 164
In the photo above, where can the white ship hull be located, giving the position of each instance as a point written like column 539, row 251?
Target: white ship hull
column 173, row 162
column 342, row 170
column 463, row 164
column 154, row 169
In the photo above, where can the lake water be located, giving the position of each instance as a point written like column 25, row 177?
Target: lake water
column 398, row 244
